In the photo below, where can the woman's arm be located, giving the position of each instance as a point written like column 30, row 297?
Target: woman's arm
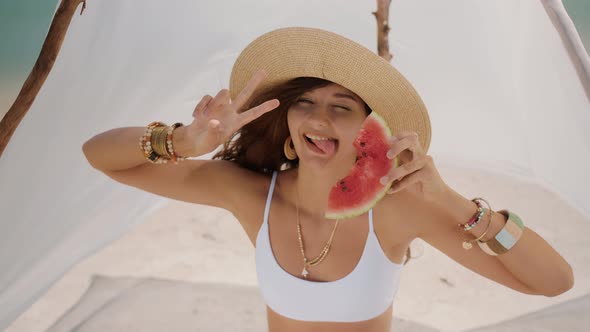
column 531, row 262
column 118, row 149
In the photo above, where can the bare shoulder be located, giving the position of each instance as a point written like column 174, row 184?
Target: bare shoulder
column 249, row 190
column 218, row 183
column 238, row 184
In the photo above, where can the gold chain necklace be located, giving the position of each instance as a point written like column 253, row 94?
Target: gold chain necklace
column 324, row 251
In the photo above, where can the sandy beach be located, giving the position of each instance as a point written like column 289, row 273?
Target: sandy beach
column 188, row 246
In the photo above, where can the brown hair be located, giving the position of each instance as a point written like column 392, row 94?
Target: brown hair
column 258, row 145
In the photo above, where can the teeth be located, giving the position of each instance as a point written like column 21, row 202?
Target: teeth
column 318, row 138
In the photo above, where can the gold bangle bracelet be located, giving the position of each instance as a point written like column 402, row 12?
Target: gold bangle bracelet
column 145, row 143
column 159, row 141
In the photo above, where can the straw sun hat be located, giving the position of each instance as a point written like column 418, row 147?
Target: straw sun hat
column 293, row 52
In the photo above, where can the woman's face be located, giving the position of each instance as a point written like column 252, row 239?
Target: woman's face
column 324, row 123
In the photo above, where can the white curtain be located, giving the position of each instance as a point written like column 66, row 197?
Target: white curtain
column 504, row 92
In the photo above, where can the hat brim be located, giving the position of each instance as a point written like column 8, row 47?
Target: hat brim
column 292, row 52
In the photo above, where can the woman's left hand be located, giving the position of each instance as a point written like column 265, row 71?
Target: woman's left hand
column 416, row 171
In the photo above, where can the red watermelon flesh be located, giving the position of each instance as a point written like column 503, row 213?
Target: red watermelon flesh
column 361, row 189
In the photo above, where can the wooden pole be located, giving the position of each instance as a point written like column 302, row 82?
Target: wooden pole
column 382, row 16
column 32, row 86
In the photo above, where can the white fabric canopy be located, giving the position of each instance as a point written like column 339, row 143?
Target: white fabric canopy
column 505, row 94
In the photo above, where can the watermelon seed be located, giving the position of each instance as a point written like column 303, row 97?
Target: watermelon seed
column 362, row 143
column 344, row 188
column 364, row 154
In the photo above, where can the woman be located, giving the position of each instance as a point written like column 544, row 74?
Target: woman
column 287, row 133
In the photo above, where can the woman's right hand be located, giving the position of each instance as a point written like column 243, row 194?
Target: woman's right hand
column 216, row 119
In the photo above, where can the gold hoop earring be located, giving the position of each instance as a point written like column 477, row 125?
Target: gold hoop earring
column 289, row 151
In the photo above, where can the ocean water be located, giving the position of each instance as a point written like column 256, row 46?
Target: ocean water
column 24, row 24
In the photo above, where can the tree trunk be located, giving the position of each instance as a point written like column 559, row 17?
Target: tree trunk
column 41, row 69
column 382, row 16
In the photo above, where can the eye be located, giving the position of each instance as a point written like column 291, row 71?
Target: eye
column 307, row 101
column 303, row 100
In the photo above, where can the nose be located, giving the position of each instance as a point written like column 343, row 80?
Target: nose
column 320, row 116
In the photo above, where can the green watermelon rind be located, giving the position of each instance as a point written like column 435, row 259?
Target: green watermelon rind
column 351, row 213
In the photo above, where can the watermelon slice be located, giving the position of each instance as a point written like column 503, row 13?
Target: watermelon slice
column 361, row 189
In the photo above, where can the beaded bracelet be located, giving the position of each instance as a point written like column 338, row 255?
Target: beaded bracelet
column 506, row 238
column 474, row 221
column 467, row 243
column 477, row 216
column 174, row 157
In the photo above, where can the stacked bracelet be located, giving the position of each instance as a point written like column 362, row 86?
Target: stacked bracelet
column 156, row 143
column 504, row 240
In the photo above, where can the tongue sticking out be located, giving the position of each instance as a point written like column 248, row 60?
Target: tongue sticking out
column 327, row 146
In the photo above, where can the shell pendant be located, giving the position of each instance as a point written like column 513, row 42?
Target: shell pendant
column 304, row 273
column 467, row 245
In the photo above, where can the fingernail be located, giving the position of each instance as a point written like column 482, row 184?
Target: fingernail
column 390, row 154
column 393, row 138
column 384, row 180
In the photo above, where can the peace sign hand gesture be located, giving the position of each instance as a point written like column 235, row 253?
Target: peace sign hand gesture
column 216, row 119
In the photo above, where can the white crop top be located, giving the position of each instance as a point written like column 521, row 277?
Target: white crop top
column 364, row 293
